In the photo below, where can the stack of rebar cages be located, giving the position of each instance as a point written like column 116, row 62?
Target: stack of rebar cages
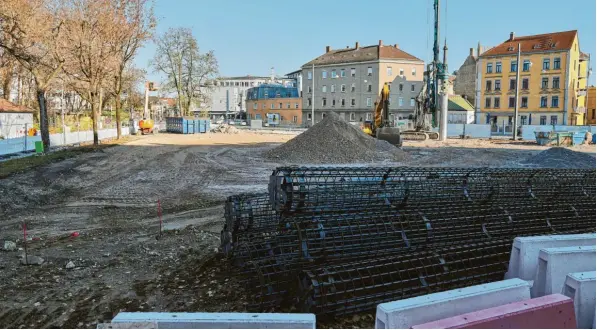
column 340, row 240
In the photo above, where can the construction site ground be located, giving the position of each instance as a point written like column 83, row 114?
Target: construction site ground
column 98, row 210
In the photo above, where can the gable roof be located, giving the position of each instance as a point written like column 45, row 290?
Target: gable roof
column 557, row 41
column 7, row 106
column 459, row 103
column 361, row 54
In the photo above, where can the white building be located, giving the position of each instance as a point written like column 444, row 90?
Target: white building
column 15, row 120
column 231, row 91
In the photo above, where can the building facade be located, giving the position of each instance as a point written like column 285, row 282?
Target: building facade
column 348, row 81
column 553, row 74
column 591, row 105
column 229, row 93
column 277, row 100
column 297, row 77
column 464, row 84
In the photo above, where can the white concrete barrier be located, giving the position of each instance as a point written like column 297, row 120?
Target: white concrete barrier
column 403, row 314
column 581, row 288
column 555, row 263
column 525, row 252
column 220, row 320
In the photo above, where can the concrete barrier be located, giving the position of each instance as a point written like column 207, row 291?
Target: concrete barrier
column 547, row 312
column 132, row 325
column 555, row 263
column 403, row 314
column 220, row 320
column 581, row 288
column 525, row 252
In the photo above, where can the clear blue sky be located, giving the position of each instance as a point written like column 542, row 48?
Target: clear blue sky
column 251, row 36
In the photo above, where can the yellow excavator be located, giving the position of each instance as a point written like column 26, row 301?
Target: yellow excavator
column 380, row 127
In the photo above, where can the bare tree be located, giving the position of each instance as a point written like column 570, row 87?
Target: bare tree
column 32, row 33
column 186, row 68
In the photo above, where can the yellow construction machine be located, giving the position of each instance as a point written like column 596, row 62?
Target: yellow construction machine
column 380, row 127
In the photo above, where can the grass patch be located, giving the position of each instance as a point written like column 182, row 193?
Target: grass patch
column 20, row 165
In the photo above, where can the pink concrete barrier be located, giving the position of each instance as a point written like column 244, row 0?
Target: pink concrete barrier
column 554, row 311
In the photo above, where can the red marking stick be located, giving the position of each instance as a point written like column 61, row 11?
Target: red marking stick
column 25, row 241
column 160, row 216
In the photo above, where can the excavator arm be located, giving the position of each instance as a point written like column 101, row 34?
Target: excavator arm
column 381, row 115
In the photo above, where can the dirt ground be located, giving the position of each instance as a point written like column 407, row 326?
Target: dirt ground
column 99, row 211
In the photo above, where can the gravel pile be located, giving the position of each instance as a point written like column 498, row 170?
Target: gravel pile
column 558, row 157
column 334, row 141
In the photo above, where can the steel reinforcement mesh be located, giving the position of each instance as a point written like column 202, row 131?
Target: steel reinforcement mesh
column 336, row 241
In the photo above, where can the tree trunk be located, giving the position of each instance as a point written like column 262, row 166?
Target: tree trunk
column 43, row 118
column 94, row 118
column 6, row 85
column 118, row 128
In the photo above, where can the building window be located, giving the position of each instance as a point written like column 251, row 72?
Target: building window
column 342, row 102
column 400, row 87
column 324, row 88
column 309, row 90
column 353, row 72
column 353, row 102
column 294, row 119
column 512, row 84
column 271, row 106
column 254, row 106
column 542, row 120
column 545, row 64
column 526, row 65
column 324, row 74
column 333, row 88
column 309, row 75
column 544, row 83
column 555, row 102
column 489, row 67
column 498, row 85
column 555, row 83
column 369, row 71
column 257, row 116
column 498, row 67
column 263, row 106
column 412, row 101
column 553, row 120
column 511, row 102
column 342, row 73
column 513, row 66
column 309, row 116
column 287, row 105
column 525, row 102
column 296, row 105
column 556, row 63
column 322, row 115
column 414, row 71
column 496, row 102
column 525, row 83
column 401, row 72
column 369, row 88
column 488, row 85
column 352, row 87
column 400, row 102
column 543, row 101
column 412, row 87
column 352, row 116
column 523, row 120
column 389, row 71
column 309, row 101
column 488, row 102
column 368, row 101
column 334, row 73
column 324, row 102
column 333, row 102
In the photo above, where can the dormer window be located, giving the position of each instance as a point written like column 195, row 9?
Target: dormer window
column 553, row 45
column 537, row 46
column 510, row 48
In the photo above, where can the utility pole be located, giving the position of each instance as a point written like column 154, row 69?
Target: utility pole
column 227, row 105
column 515, row 124
column 146, row 110
column 436, row 62
column 443, row 127
column 313, row 96
column 586, row 120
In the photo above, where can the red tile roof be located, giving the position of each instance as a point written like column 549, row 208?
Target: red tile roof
column 557, row 41
column 361, row 54
column 6, row 106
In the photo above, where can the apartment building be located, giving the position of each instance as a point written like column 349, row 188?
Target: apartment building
column 552, row 85
column 590, row 120
column 274, row 101
column 349, row 80
column 231, row 92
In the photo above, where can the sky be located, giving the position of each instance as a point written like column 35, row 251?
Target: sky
column 252, row 36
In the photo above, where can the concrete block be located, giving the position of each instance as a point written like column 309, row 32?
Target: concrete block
column 525, row 252
column 220, row 320
column 555, row 263
column 555, row 311
column 132, row 325
column 581, row 288
column 402, row 314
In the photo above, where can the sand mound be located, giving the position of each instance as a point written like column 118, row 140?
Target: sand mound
column 558, row 157
column 334, row 141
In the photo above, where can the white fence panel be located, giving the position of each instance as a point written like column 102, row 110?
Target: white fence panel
column 528, row 131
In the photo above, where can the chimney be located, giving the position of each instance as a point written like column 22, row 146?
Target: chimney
column 356, row 45
column 511, row 36
column 327, row 49
column 396, row 46
column 470, row 52
column 380, row 43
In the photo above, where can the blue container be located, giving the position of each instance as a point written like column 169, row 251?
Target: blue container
column 578, row 138
column 186, row 126
column 594, row 135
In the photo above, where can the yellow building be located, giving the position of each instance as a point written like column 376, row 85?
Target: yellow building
column 591, row 106
column 553, row 79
